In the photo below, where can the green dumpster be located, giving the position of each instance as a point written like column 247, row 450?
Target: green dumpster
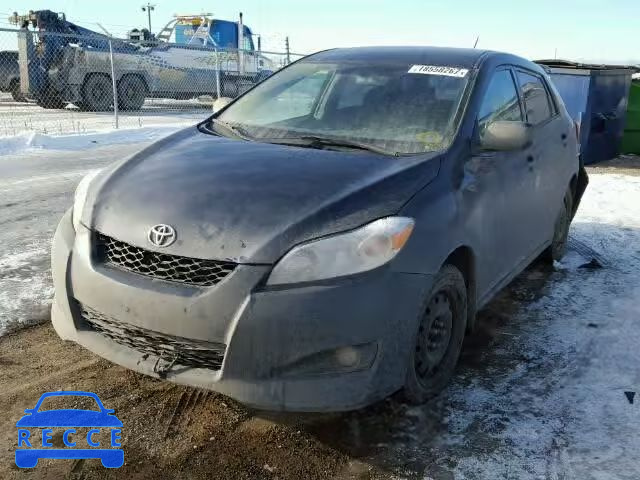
column 631, row 139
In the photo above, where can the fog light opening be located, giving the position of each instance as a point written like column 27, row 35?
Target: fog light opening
column 344, row 359
column 347, row 356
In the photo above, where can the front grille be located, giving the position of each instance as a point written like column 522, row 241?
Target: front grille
column 176, row 350
column 173, row 268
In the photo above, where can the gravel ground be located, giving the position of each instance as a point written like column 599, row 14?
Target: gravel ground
column 622, row 165
column 540, row 391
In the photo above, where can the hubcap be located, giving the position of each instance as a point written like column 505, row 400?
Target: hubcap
column 434, row 335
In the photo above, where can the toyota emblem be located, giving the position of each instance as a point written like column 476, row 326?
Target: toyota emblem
column 162, row 235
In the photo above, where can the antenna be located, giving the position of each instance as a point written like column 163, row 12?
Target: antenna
column 476, row 42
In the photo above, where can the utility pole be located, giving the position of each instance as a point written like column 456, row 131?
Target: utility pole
column 149, row 7
column 286, row 43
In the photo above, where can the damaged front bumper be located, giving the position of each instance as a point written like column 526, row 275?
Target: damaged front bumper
column 337, row 345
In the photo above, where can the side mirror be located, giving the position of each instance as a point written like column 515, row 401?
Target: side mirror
column 504, row 136
column 220, row 103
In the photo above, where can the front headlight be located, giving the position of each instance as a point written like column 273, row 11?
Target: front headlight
column 347, row 253
column 80, row 197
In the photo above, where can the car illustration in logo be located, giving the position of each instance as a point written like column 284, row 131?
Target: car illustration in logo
column 27, row 455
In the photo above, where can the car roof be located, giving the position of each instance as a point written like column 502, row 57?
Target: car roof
column 462, row 57
column 459, row 57
column 71, row 393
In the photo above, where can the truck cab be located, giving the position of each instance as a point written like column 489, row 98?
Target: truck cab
column 234, row 39
column 212, row 33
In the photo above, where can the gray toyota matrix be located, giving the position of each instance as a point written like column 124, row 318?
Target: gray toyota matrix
column 326, row 239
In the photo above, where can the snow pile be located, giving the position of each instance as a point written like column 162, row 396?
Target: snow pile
column 30, row 141
column 562, row 411
column 25, row 286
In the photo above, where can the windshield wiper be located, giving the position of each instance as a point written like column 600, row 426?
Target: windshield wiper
column 233, row 129
column 314, row 141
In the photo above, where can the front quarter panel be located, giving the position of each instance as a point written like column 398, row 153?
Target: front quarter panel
column 437, row 229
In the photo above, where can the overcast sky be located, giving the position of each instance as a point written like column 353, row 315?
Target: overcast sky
column 596, row 30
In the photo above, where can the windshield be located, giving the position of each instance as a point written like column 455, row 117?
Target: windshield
column 390, row 106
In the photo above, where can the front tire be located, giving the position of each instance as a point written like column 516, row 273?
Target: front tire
column 50, row 99
column 97, row 93
column 132, row 92
column 438, row 341
column 16, row 94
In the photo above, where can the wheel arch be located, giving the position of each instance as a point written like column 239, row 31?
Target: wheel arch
column 577, row 186
column 140, row 75
column 463, row 258
column 119, row 76
column 88, row 75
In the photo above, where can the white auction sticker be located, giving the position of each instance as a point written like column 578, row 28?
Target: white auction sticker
column 438, row 70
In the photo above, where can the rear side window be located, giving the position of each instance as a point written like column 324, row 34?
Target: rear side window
column 537, row 103
column 501, row 101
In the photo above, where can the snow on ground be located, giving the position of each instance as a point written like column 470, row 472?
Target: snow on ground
column 18, row 118
column 25, row 289
column 547, row 400
column 39, row 141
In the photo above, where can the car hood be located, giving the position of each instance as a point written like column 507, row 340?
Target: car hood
column 247, row 202
column 69, row 418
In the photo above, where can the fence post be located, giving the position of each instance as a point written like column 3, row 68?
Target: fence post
column 113, row 84
column 286, row 43
column 218, row 73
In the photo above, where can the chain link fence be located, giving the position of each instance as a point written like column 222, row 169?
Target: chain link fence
column 64, row 84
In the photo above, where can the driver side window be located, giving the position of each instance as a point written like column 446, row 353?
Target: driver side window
column 501, row 101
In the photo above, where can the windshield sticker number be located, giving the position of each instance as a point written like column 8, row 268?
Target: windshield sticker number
column 438, row 70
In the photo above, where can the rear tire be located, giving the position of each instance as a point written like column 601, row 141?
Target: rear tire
column 50, row 99
column 558, row 246
column 97, row 93
column 229, row 86
column 438, row 341
column 132, row 92
column 16, row 94
column 51, row 103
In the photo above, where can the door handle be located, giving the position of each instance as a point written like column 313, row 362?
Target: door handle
column 563, row 136
column 530, row 158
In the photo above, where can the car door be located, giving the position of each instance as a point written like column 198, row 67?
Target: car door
column 549, row 145
column 494, row 189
